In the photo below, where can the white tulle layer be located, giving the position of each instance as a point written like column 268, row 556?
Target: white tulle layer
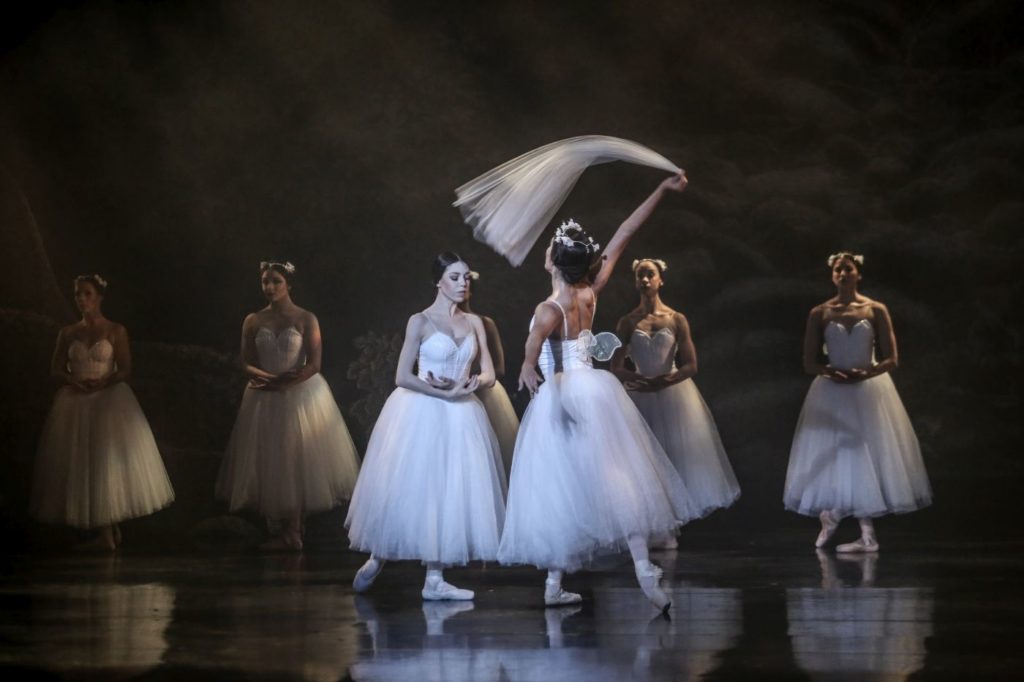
column 503, row 420
column 98, row 462
column 587, row 474
column 432, row 486
column 683, row 424
column 509, row 206
column 855, row 452
column 289, row 453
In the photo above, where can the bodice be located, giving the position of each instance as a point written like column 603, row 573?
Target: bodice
column 442, row 356
column 90, row 362
column 653, row 354
column 564, row 354
column 279, row 352
column 853, row 348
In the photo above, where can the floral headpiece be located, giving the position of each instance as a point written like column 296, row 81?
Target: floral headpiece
column 662, row 265
column 563, row 238
column 92, row 278
column 836, row 257
column 286, row 266
column 474, row 275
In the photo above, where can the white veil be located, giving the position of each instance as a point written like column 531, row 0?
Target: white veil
column 509, row 206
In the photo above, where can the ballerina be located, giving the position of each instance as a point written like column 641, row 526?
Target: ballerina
column 588, row 475
column 290, row 452
column 432, row 486
column 658, row 340
column 495, row 399
column 98, row 463
column 854, row 452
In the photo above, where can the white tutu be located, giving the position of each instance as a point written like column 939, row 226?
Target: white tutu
column 683, row 424
column 588, row 473
column 854, row 452
column 503, row 420
column 290, row 451
column 432, row 486
column 98, row 463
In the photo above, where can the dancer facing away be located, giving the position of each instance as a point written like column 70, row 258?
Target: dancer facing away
column 658, row 340
column 855, row 452
column 432, row 488
column 98, row 463
column 290, row 453
column 495, row 399
column 588, row 475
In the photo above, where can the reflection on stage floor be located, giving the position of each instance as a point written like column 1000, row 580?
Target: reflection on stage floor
column 776, row 611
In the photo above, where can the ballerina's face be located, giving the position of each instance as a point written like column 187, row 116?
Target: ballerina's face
column 87, row 297
column 275, row 286
column 648, row 277
column 845, row 273
column 454, row 283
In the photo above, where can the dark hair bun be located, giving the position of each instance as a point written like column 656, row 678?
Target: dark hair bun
column 573, row 252
column 441, row 263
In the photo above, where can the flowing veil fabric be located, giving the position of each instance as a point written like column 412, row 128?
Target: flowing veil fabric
column 509, row 206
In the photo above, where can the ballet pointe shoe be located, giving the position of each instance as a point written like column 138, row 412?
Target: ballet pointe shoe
column 554, row 595
column 439, row 590
column 649, row 578
column 863, row 544
column 829, row 524
column 366, row 574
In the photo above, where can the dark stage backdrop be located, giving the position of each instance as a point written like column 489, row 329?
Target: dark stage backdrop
column 171, row 146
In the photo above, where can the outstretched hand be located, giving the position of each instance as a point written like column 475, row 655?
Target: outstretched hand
column 676, row 183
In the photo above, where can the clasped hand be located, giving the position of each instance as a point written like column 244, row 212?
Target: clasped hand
column 453, row 388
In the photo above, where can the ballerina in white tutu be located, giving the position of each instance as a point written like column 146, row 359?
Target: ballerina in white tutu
column 495, row 398
column 588, row 475
column 855, row 452
column 432, row 487
column 290, row 453
column 98, row 463
column 657, row 338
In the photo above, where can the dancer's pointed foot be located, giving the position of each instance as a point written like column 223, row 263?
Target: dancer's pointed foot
column 439, row 590
column 862, row 544
column 554, row 595
column 649, row 577
column 366, row 574
column 829, row 524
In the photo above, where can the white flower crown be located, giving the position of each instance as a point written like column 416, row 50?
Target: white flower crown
column 562, row 237
column 662, row 265
column 855, row 257
column 95, row 278
column 286, row 266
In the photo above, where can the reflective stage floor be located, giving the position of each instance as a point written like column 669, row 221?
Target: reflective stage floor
column 772, row 609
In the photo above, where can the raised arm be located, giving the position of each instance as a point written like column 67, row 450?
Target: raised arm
column 546, row 319
column 617, row 244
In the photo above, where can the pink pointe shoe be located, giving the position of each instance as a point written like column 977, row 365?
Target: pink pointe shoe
column 829, row 524
column 861, row 545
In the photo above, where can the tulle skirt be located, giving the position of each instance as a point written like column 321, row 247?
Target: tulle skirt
column 289, row 453
column 503, row 420
column 855, row 452
column 432, row 486
column 683, row 424
column 98, row 462
column 588, row 473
